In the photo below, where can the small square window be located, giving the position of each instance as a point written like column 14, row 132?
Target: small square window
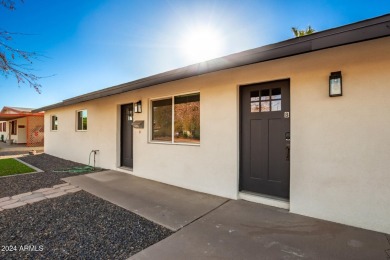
column 54, row 123
column 265, row 107
column 276, row 93
column 265, row 94
column 255, row 107
column 254, row 96
column 82, row 121
column 276, row 105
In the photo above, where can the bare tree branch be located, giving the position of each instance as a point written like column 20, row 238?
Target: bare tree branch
column 16, row 62
column 9, row 4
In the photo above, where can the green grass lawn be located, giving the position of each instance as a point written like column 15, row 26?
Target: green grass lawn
column 12, row 166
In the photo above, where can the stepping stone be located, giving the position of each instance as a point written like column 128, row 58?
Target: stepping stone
column 60, row 185
column 4, row 199
column 55, row 195
column 14, row 205
column 30, row 201
column 51, row 191
column 68, row 187
column 21, row 195
column 73, row 190
column 4, row 203
column 32, row 196
column 42, row 190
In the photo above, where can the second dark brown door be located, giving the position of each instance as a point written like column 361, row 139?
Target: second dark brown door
column 127, row 135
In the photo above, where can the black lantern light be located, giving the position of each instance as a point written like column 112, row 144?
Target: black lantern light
column 129, row 114
column 138, row 107
column 335, row 84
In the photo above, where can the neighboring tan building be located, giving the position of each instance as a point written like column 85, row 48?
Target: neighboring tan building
column 21, row 126
column 301, row 124
column 3, row 131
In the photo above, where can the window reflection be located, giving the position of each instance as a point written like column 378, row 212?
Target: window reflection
column 162, row 120
column 187, row 118
column 276, row 105
column 265, row 107
column 255, row 104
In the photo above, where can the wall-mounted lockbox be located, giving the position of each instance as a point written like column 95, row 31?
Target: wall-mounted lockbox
column 138, row 124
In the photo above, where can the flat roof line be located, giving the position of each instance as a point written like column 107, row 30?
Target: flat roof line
column 352, row 33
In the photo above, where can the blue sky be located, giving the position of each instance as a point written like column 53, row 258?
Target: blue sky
column 90, row 45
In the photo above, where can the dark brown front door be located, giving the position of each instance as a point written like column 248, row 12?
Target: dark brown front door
column 265, row 138
column 127, row 135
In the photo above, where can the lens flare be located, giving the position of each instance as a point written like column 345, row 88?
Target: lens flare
column 202, row 43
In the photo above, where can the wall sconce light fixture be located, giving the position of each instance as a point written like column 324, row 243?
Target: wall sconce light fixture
column 129, row 114
column 138, row 107
column 335, row 84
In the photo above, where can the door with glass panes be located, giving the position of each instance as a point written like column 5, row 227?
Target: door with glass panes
column 127, row 135
column 265, row 138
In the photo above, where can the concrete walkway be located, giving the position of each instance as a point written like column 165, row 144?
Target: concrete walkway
column 216, row 228
column 245, row 230
column 37, row 195
column 166, row 205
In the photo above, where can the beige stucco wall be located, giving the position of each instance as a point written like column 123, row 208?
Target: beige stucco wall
column 340, row 146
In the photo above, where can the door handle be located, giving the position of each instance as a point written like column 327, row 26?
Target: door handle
column 288, row 153
column 287, row 136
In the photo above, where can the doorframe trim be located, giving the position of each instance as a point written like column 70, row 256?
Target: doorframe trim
column 264, row 199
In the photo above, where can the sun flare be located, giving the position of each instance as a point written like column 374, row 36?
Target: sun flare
column 202, row 43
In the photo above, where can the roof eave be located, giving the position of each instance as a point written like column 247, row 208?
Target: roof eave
column 361, row 31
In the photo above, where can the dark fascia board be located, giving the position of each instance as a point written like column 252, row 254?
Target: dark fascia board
column 357, row 32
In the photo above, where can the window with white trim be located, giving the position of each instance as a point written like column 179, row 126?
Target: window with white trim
column 82, row 120
column 54, row 123
column 176, row 119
